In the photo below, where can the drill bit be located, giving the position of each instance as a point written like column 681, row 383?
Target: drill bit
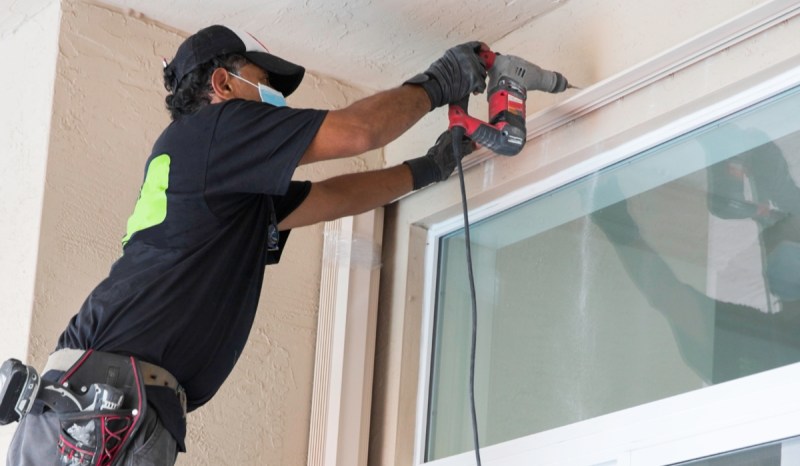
column 570, row 86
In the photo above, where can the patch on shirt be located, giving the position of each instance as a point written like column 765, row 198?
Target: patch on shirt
column 151, row 207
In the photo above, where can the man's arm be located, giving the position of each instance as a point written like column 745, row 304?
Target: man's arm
column 360, row 192
column 377, row 120
column 350, row 195
column 367, row 124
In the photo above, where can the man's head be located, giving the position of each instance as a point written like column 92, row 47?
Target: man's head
column 201, row 72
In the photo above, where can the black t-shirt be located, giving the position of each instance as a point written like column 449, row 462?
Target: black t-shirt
column 184, row 293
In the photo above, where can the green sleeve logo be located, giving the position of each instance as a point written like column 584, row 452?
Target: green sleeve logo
column 151, row 208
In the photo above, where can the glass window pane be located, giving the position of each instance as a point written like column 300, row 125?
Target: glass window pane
column 669, row 272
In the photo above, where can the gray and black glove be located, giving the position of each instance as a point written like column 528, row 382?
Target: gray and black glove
column 438, row 164
column 453, row 77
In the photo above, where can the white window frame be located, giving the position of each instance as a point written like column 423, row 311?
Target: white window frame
column 725, row 417
column 345, row 353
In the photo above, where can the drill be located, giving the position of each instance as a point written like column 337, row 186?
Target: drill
column 510, row 79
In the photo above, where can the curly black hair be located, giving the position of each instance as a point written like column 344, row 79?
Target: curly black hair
column 194, row 90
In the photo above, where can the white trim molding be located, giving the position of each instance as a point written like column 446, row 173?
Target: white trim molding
column 344, row 361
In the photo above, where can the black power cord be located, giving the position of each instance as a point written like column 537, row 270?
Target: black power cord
column 457, row 134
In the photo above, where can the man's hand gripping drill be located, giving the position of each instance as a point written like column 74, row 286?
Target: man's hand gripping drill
column 510, row 79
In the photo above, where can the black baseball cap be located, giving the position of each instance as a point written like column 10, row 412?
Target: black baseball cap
column 217, row 40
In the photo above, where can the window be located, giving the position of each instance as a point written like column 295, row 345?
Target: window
column 667, row 273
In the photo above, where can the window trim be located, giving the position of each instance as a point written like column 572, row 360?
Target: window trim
column 345, row 348
column 722, row 438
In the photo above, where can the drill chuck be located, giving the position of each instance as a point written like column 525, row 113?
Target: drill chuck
column 561, row 83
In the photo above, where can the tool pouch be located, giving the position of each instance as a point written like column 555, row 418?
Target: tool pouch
column 113, row 399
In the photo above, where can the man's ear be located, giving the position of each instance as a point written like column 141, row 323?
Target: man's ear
column 221, row 85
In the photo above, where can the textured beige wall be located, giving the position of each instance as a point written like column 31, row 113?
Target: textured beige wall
column 107, row 111
column 589, row 41
column 27, row 36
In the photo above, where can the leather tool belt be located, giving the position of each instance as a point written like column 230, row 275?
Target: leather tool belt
column 110, row 388
column 63, row 360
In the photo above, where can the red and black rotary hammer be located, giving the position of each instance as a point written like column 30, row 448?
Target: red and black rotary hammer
column 510, row 79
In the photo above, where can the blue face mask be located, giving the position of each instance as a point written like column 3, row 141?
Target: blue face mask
column 268, row 94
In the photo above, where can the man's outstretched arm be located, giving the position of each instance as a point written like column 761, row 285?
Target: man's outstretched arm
column 367, row 124
column 350, row 194
column 356, row 193
column 375, row 121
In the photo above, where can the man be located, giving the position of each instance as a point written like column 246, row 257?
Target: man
column 167, row 326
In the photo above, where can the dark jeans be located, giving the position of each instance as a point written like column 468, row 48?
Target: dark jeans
column 36, row 439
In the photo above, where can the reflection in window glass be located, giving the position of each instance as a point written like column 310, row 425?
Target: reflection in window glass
column 674, row 270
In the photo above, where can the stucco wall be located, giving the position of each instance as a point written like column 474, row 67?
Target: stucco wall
column 107, row 111
column 589, row 41
column 28, row 34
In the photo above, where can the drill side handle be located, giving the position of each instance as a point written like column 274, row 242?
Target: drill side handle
column 502, row 138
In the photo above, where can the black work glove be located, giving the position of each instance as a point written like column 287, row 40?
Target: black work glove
column 438, row 163
column 453, row 77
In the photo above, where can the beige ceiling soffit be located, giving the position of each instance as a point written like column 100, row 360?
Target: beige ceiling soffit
column 138, row 15
column 744, row 26
column 341, row 398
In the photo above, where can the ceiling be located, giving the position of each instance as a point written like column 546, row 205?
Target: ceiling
column 371, row 43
